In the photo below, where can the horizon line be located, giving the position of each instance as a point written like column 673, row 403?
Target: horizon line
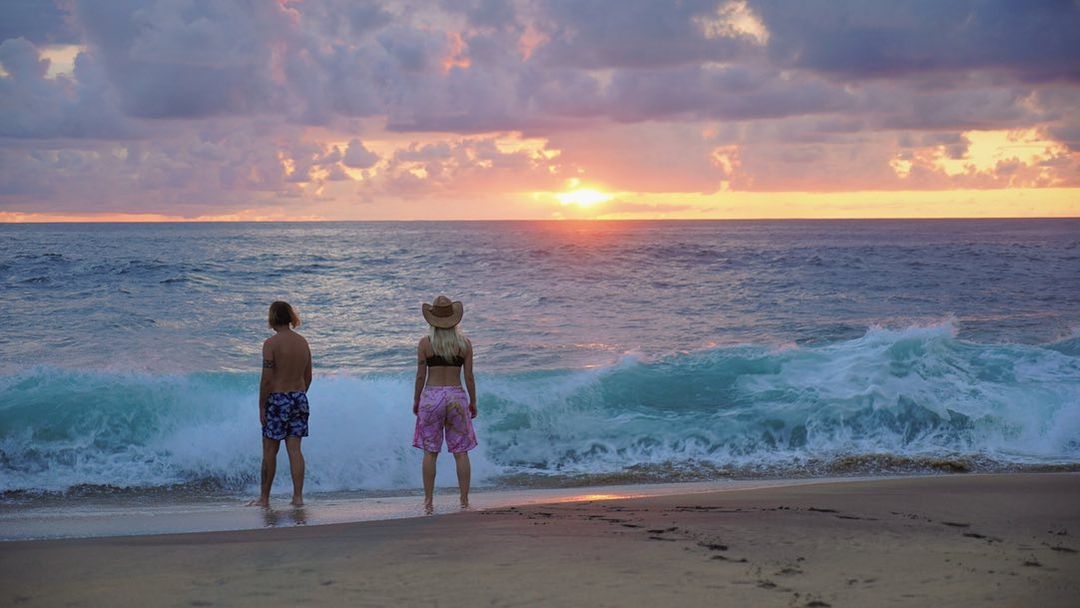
column 553, row 220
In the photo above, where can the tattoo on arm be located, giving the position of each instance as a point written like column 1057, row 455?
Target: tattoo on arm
column 268, row 363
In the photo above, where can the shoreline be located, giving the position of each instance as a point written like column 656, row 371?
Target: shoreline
column 109, row 519
column 956, row 540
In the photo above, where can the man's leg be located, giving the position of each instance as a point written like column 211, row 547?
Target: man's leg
column 296, row 466
column 429, row 479
column 464, row 473
column 269, row 468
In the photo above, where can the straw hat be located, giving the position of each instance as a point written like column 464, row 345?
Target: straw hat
column 443, row 313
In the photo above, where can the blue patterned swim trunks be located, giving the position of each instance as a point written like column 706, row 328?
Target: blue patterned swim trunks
column 286, row 414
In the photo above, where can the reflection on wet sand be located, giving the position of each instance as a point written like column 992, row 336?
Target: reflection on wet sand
column 296, row 516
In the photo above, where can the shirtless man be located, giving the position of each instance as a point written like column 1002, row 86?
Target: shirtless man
column 283, row 404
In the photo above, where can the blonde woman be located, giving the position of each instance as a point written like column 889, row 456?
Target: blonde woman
column 441, row 405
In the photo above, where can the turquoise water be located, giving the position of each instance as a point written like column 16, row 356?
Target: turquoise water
column 637, row 351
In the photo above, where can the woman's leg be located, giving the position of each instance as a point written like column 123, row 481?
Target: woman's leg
column 429, row 478
column 464, row 473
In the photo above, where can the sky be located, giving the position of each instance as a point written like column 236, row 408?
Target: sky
column 155, row 110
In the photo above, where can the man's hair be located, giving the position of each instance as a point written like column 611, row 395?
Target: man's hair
column 281, row 313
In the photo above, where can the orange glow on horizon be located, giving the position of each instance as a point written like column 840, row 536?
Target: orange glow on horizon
column 246, row 215
column 730, row 205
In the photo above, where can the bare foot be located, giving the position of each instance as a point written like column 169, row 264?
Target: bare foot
column 259, row 502
column 464, row 504
column 297, row 502
column 429, row 508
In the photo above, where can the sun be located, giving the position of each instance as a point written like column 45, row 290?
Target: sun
column 583, row 197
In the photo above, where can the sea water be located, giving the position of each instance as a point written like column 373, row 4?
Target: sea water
column 606, row 352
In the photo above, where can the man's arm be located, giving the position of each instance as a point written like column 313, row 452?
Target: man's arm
column 266, row 382
column 421, row 376
column 470, row 381
column 307, row 372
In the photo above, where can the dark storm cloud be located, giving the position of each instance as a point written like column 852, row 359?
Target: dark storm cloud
column 187, row 60
column 632, row 33
column 728, row 93
column 39, row 21
column 1033, row 40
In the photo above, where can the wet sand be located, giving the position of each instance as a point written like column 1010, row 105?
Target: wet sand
column 972, row 540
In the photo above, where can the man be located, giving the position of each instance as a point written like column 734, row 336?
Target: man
column 283, row 404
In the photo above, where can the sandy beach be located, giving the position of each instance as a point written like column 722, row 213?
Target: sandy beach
column 986, row 540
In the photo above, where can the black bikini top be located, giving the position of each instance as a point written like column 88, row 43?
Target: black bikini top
column 438, row 361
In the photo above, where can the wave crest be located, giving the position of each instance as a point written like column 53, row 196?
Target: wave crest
column 907, row 398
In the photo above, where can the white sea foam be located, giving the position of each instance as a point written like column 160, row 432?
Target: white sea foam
column 918, row 392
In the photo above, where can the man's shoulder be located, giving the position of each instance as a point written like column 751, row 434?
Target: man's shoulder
column 299, row 339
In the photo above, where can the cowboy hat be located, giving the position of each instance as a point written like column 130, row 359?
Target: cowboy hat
column 442, row 312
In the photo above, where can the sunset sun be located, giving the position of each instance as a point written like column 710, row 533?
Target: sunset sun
column 583, row 197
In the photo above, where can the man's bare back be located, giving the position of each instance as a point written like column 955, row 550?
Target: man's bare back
column 288, row 355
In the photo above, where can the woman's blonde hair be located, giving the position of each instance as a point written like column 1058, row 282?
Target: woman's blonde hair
column 281, row 313
column 447, row 343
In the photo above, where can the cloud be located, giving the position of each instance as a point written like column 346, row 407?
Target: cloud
column 200, row 107
column 636, row 34
column 38, row 21
column 465, row 167
column 851, row 39
column 36, row 106
column 188, row 59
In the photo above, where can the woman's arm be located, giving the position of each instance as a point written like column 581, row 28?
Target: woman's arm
column 421, row 375
column 470, row 381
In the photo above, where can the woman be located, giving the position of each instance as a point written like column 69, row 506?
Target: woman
column 439, row 402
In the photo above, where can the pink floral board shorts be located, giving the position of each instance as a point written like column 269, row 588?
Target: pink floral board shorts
column 444, row 410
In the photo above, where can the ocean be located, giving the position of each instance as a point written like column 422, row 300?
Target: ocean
column 606, row 352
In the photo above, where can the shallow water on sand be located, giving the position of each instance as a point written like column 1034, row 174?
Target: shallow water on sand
column 111, row 519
